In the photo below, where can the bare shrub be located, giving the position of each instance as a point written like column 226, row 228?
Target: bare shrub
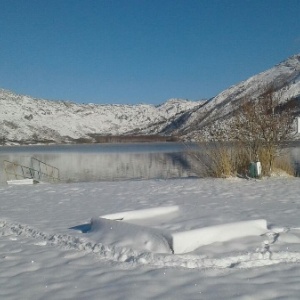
column 257, row 131
column 241, row 160
column 219, row 160
column 262, row 127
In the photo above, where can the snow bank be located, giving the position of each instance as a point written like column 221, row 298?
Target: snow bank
column 188, row 241
column 122, row 234
column 142, row 213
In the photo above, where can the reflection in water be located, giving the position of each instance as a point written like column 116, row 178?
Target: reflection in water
column 79, row 166
column 79, row 163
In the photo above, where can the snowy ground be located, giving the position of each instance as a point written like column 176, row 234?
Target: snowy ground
column 54, row 245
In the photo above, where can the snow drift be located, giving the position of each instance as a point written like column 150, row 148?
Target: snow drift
column 188, row 241
column 122, row 234
column 142, row 214
column 117, row 231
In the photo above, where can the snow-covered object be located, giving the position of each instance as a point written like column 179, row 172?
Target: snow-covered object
column 188, row 241
column 122, row 234
column 117, row 231
column 142, row 214
column 22, row 181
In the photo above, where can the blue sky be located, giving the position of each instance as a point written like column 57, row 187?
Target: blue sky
column 141, row 51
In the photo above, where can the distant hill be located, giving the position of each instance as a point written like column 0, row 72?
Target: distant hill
column 284, row 78
column 26, row 120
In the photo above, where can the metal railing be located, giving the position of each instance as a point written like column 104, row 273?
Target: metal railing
column 44, row 171
column 15, row 171
column 39, row 171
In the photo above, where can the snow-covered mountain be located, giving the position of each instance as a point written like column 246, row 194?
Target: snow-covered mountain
column 24, row 119
column 284, row 78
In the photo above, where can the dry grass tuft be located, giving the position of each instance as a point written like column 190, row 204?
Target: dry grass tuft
column 219, row 160
column 285, row 164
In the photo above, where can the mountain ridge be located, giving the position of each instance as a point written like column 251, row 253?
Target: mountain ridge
column 24, row 119
column 283, row 77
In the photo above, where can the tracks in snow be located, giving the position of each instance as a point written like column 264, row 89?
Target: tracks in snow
column 264, row 257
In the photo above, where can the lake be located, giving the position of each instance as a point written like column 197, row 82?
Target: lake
column 106, row 162
column 99, row 162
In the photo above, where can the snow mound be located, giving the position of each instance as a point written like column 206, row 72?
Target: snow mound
column 188, row 241
column 122, row 234
column 142, row 214
column 114, row 229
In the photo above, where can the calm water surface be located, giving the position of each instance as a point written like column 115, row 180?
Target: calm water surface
column 104, row 161
column 100, row 162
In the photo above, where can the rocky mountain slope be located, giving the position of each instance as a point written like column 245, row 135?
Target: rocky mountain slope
column 27, row 120
column 284, row 78
column 24, row 119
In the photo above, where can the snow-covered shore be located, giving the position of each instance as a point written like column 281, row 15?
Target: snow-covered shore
column 50, row 249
